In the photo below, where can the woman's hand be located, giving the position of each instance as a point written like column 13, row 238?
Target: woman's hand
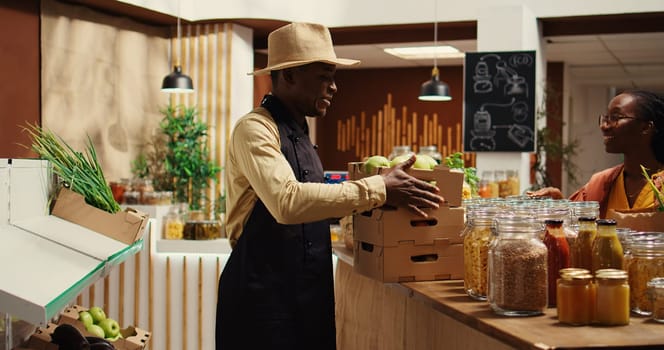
column 551, row 192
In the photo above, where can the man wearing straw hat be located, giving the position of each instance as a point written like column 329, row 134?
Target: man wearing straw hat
column 276, row 290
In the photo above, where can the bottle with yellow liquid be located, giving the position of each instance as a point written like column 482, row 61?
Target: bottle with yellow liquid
column 607, row 252
column 583, row 244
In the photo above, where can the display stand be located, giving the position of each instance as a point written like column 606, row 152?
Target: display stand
column 51, row 260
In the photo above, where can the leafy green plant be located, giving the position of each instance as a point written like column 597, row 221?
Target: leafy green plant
column 79, row 171
column 150, row 164
column 657, row 191
column 455, row 161
column 187, row 160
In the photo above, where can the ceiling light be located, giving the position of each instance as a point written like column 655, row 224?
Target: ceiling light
column 176, row 81
column 435, row 89
column 425, row 52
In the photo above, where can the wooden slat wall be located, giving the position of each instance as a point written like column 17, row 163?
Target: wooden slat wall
column 385, row 129
column 205, row 57
column 167, row 295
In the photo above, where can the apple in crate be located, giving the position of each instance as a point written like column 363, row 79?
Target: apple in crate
column 86, row 318
column 97, row 314
column 95, row 330
column 111, row 327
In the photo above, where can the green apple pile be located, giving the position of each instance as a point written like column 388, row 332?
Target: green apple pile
column 422, row 161
column 99, row 325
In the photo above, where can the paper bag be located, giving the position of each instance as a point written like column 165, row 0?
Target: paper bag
column 643, row 220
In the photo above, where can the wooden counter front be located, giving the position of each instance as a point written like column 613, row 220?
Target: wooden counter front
column 439, row 315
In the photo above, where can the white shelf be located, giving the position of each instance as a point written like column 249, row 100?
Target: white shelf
column 184, row 246
column 45, row 261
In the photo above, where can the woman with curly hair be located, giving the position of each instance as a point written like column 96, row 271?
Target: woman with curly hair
column 634, row 126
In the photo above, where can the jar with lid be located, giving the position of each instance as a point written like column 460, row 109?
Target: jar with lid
column 575, row 297
column 656, row 292
column 514, row 182
column 486, row 187
column 557, row 254
column 173, row 224
column 612, row 301
column 583, row 244
column 580, row 209
column 143, row 186
column 432, row 151
column 504, row 186
column 131, row 197
column 643, row 262
column 607, row 252
column 476, row 240
column 399, row 151
column 517, row 267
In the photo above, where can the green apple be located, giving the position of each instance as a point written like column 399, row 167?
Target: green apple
column 117, row 337
column 399, row 159
column 374, row 162
column 424, row 161
column 95, row 330
column 110, row 326
column 97, row 314
column 86, row 318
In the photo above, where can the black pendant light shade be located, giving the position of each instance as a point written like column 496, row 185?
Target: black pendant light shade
column 434, row 89
column 176, row 82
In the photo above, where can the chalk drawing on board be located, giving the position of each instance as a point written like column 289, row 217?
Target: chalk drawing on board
column 482, row 132
column 520, row 111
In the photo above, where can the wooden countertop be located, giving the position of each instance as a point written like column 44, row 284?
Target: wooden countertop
column 536, row 332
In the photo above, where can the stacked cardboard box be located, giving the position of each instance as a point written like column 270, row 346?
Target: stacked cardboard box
column 397, row 245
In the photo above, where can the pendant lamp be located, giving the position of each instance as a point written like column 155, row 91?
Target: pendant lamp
column 177, row 82
column 435, row 89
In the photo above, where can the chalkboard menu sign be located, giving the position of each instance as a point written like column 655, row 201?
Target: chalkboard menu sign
column 499, row 102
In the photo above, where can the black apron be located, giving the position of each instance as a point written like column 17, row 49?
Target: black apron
column 276, row 290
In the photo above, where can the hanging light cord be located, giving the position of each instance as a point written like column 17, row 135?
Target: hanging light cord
column 177, row 59
column 435, row 34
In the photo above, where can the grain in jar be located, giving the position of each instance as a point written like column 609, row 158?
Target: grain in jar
column 575, row 297
column 517, row 265
column 656, row 293
column 643, row 262
column 173, row 224
column 607, row 252
column 477, row 236
column 612, row 301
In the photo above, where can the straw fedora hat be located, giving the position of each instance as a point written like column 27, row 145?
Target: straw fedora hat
column 297, row 44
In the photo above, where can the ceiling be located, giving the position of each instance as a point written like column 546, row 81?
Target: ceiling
column 626, row 45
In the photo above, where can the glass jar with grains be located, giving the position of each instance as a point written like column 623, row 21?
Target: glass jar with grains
column 643, row 262
column 517, row 267
column 656, row 292
column 476, row 239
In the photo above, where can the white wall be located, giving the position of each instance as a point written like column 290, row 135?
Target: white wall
column 342, row 13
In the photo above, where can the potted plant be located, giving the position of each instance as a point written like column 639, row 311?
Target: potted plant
column 177, row 160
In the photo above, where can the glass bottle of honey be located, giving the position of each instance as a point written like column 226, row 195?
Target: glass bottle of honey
column 575, row 297
column 607, row 252
column 612, row 301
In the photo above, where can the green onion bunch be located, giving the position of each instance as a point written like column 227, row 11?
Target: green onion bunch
column 81, row 172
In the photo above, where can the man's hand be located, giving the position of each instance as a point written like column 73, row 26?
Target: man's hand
column 404, row 190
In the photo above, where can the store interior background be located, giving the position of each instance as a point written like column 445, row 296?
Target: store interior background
column 94, row 67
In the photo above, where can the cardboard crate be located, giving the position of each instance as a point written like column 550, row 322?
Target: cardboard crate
column 41, row 339
column 450, row 182
column 409, row 262
column 126, row 226
column 390, row 227
column 133, row 338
